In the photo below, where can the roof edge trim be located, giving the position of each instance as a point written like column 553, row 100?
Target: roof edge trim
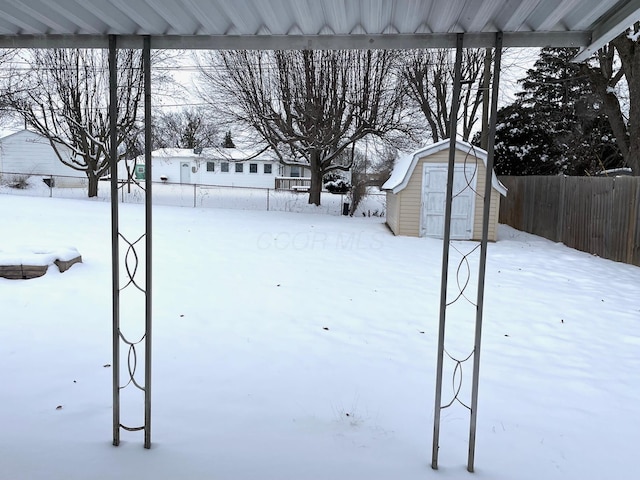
column 302, row 42
column 604, row 33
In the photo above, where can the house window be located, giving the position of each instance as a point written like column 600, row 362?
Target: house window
column 295, row 171
column 267, row 168
column 224, row 167
column 211, row 167
column 253, row 168
column 239, row 167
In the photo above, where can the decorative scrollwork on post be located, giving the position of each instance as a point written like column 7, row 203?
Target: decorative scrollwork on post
column 462, row 276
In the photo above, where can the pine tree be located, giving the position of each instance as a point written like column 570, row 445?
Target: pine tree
column 228, row 141
column 524, row 146
column 556, row 125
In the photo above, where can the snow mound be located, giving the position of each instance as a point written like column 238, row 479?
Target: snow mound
column 26, row 263
column 36, row 256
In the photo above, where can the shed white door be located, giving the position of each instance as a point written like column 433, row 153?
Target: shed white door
column 185, row 172
column 434, row 193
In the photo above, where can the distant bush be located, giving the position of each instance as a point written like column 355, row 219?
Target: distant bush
column 336, row 183
column 19, row 182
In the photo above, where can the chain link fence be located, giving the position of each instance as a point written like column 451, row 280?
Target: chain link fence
column 191, row 195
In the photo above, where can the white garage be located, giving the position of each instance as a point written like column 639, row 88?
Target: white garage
column 416, row 193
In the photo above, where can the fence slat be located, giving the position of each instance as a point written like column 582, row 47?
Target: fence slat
column 634, row 243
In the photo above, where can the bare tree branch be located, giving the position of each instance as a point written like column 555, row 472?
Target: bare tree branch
column 428, row 77
column 65, row 98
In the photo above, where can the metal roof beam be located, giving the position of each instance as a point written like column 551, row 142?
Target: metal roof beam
column 301, row 42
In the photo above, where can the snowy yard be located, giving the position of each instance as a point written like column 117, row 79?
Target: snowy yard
column 299, row 346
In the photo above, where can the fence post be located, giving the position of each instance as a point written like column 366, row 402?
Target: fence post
column 51, row 186
column 194, row 195
column 268, row 190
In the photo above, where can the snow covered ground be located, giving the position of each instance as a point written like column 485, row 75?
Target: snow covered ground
column 298, row 346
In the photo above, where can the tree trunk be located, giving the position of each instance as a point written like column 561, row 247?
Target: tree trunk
column 315, row 190
column 633, row 80
column 630, row 57
column 93, row 184
column 316, row 179
column 611, row 106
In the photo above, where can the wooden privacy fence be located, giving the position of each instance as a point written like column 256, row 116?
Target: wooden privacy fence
column 595, row 215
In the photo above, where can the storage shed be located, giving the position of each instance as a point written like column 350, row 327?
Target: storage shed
column 416, row 193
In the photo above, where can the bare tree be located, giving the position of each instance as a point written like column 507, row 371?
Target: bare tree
column 309, row 106
column 186, row 128
column 6, row 55
column 428, row 76
column 614, row 64
column 64, row 97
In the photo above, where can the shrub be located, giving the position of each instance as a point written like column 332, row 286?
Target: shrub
column 19, row 182
column 336, row 183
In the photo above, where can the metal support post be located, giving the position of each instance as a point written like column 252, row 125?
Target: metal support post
column 146, row 65
column 483, row 250
column 115, row 253
column 133, row 283
column 445, row 251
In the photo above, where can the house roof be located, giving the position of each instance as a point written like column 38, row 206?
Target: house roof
column 23, row 132
column 298, row 24
column 217, row 153
column 406, row 164
column 32, row 137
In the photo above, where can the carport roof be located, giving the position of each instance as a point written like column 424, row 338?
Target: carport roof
column 268, row 24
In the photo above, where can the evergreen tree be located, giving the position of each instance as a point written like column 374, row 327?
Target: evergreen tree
column 524, row 146
column 228, row 141
column 557, row 124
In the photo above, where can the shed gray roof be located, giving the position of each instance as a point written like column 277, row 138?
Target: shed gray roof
column 267, row 24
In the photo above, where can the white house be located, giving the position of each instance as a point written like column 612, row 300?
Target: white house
column 29, row 153
column 212, row 166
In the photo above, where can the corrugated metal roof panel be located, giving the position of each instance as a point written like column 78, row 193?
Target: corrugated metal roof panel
column 248, row 23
